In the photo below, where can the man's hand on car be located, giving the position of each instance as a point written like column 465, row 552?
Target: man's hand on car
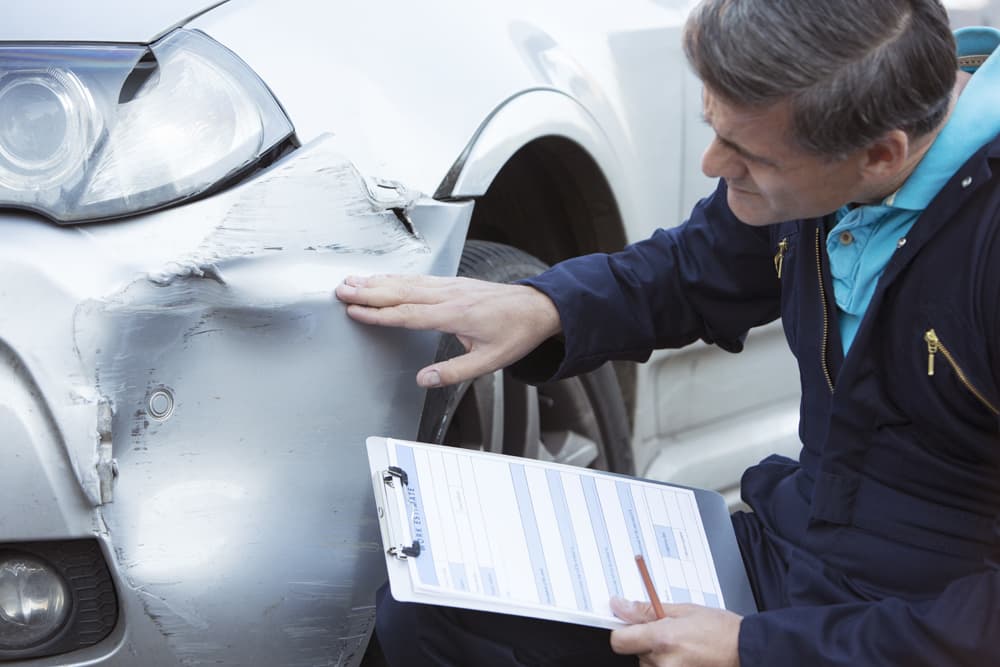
column 497, row 323
column 689, row 635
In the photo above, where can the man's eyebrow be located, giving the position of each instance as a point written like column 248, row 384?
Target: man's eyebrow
column 735, row 147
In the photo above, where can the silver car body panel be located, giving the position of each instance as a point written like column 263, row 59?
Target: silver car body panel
column 240, row 529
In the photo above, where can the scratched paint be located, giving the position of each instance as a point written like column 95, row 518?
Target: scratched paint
column 314, row 205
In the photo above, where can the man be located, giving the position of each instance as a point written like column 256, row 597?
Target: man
column 857, row 200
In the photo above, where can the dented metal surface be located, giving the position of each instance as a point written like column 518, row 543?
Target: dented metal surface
column 195, row 402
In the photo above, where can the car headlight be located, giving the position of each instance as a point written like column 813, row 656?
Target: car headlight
column 33, row 602
column 92, row 132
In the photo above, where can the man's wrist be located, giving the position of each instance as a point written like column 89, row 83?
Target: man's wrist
column 544, row 314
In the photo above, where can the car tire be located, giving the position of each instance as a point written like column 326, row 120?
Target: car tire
column 579, row 421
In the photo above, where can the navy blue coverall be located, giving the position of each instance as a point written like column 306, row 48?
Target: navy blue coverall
column 880, row 545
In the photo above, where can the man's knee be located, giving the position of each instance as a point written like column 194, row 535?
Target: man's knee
column 399, row 626
column 765, row 567
column 422, row 635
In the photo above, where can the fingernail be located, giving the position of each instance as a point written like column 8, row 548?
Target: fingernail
column 430, row 379
column 346, row 290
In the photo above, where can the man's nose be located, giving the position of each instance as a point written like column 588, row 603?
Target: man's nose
column 719, row 161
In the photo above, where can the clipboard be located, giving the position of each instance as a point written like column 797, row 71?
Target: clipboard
column 497, row 533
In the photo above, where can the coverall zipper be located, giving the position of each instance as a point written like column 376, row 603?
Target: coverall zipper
column 779, row 258
column 934, row 345
column 826, row 315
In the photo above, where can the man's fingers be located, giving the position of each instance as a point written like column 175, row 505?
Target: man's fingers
column 498, row 323
column 637, row 639
column 390, row 290
column 390, row 295
column 407, row 315
column 632, row 612
column 645, row 634
column 390, row 279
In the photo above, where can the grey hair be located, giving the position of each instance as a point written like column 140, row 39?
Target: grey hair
column 852, row 70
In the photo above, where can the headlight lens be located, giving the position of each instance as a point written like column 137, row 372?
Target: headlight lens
column 81, row 139
column 46, row 122
column 33, row 602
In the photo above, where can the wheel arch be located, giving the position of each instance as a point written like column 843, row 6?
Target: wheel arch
column 548, row 187
column 543, row 145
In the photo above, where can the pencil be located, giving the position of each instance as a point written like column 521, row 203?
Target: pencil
column 650, row 590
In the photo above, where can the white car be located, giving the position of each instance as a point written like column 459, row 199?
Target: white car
column 184, row 404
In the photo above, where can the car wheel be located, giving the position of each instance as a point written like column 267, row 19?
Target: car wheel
column 579, row 421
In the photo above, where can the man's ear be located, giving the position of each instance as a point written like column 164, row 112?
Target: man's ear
column 886, row 157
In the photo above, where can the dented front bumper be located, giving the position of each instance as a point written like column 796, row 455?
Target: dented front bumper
column 183, row 388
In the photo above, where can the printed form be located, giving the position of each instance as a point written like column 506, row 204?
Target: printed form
column 542, row 536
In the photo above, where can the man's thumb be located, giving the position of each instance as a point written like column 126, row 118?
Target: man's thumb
column 466, row 366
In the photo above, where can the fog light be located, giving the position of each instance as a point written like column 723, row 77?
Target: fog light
column 34, row 602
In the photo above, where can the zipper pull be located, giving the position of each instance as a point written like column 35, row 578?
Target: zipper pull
column 779, row 258
column 933, row 345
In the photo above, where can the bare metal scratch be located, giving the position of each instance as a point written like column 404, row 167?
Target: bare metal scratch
column 176, row 617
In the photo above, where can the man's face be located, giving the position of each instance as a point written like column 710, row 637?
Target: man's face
column 771, row 179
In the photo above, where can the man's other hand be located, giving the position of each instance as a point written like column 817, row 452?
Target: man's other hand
column 690, row 635
column 497, row 323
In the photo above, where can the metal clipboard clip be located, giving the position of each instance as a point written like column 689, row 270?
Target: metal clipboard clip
column 395, row 527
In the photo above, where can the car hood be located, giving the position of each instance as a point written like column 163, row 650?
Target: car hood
column 96, row 21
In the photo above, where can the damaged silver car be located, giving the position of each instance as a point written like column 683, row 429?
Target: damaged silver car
column 184, row 403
